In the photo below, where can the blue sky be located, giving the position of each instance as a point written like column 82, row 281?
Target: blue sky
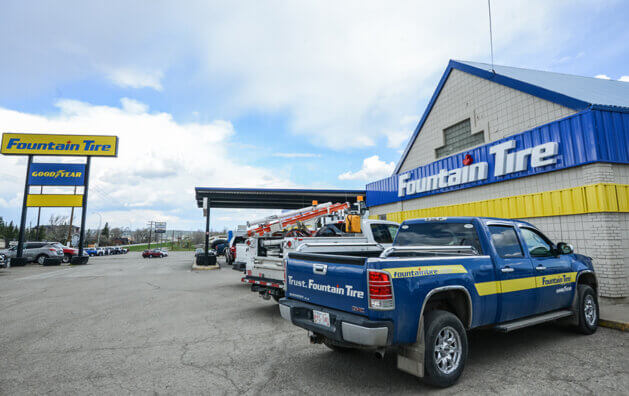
column 260, row 94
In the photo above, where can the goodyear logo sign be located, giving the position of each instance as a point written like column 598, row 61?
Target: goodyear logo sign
column 42, row 174
column 44, row 144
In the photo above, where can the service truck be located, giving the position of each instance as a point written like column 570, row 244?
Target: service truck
column 265, row 266
column 441, row 277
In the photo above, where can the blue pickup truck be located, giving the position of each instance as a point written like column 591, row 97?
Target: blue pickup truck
column 441, row 277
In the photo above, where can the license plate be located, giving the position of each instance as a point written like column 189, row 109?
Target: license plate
column 321, row 318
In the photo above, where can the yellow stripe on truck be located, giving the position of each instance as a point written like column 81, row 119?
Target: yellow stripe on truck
column 519, row 284
column 430, row 270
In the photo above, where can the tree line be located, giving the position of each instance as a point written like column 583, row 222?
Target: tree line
column 57, row 230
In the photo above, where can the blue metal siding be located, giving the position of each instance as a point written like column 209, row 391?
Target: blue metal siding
column 585, row 137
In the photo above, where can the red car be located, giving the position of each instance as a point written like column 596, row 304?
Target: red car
column 152, row 253
column 68, row 252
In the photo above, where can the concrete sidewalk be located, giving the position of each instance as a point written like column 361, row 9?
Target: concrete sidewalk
column 614, row 313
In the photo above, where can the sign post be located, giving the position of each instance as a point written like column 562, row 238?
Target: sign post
column 79, row 259
column 20, row 241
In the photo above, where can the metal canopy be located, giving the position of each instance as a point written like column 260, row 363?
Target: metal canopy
column 261, row 198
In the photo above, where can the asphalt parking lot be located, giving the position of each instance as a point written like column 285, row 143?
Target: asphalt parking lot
column 124, row 324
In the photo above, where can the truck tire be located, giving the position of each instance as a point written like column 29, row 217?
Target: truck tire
column 588, row 310
column 335, row 347
column 446, row 348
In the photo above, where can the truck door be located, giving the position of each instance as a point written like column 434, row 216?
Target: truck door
column 554, row 276
column 516, row 275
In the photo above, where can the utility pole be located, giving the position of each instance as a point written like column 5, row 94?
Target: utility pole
column 150, row 224
column 100, row 220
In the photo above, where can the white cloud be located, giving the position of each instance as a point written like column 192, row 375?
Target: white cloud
column 342, row 73
column 131, row 78
column 159, row 162
column 602, row 76
column 373, row 169
column 624, row 79
column 296, row 155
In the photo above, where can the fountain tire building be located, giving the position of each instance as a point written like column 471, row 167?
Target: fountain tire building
column 548, row 148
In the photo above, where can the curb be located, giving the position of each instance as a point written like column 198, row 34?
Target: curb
column 205, row 267
column 614, row 324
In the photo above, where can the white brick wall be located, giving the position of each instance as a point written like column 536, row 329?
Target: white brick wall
column 497, row 110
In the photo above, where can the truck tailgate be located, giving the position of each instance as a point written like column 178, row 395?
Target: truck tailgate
column 337, row 282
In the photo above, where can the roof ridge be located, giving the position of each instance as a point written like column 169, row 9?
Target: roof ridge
column 538, row 70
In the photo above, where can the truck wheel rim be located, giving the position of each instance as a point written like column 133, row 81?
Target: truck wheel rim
column 589, row 309
column 447, row 350
column 41, row 260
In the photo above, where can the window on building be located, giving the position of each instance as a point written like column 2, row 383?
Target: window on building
column 458, row 137
column 506, row 241
column 382, row 217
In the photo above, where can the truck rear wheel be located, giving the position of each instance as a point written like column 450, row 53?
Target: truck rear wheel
column 446, row 348
column 588, row 310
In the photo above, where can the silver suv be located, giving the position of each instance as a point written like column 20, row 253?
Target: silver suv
column 36, row 251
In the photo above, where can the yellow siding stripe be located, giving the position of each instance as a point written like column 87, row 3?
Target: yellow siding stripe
column 595, row 198
column 54, row 200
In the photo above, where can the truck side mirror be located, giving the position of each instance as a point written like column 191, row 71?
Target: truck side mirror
column 565, row 248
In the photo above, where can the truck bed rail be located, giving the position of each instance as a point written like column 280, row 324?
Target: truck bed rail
column 338, row 244
column 453, row 250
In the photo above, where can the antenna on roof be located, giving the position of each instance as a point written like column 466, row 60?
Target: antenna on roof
column 491, row 37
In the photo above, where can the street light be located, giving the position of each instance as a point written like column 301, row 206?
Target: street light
column 100, row 220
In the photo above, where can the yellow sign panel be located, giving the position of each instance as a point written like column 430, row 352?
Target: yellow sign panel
column 52, row 144
column 54, row 200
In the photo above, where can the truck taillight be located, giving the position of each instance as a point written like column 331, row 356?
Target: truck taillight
column 380, row 290
column 285, row 279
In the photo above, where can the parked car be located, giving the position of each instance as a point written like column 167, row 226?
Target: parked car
column 441, row 277
column 152, row 253
column 230, row 251
column 219, row 245
column 201, row 251
column 69, row 252
column 36, row 251
column 91, row 251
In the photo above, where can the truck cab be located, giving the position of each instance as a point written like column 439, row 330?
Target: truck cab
column 440, row 278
